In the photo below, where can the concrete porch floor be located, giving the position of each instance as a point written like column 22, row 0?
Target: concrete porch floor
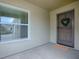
column 47, row 51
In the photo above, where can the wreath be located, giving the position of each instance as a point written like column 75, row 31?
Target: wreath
column 65, row 21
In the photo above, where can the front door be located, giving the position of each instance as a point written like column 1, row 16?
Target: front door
column 65, row 28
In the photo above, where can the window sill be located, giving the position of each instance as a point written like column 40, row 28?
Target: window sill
column 14, row 41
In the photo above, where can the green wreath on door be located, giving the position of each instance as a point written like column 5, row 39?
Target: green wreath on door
column 65, row 21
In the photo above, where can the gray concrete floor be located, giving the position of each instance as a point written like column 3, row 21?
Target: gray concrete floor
column 47, row 51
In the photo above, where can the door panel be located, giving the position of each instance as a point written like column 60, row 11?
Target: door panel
column 65, row 28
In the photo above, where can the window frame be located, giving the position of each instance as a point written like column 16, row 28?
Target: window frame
column 29, row 26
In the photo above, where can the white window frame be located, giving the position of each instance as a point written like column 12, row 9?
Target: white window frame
column 29, row 23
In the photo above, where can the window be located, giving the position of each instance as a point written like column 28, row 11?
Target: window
column 13, row 24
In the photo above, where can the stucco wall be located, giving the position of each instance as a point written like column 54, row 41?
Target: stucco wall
column 53, row 22
column 39, row 22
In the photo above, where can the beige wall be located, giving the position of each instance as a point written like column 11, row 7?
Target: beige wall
column 53, row 22
column 39, row 29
